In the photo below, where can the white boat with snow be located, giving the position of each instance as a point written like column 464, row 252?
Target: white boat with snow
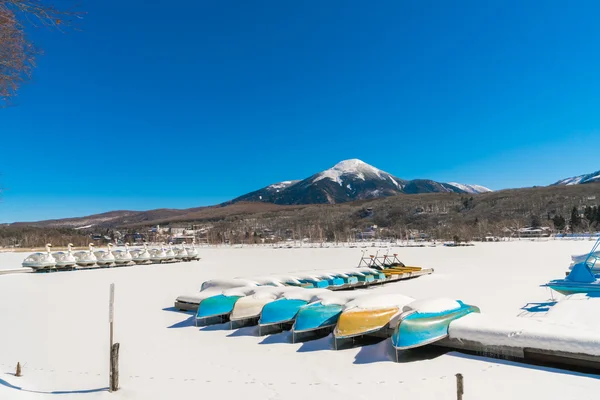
column 123, row 257
column 86, row 258
column 42, row 260
column 105, row 258
column 65, row 260
column 142, row 256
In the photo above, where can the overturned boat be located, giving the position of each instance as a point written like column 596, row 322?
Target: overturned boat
column 426, row 321
column 210, row 288
column 217, row 309
column 373, row 315
column 247, row 310
column 320, row 317
column 280, row 314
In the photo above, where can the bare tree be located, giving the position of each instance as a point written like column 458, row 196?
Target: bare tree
column 17, row 53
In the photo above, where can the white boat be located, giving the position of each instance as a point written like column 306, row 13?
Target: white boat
column 123, row 257
column 249, row 308
column 158, row 255
column 42, row 260
column 65, row 260
column 211, row 288
column 181, row 253
column 192, row 251
column 86, row 258
column 170, row 253
column 105, row 257
column 142, row 256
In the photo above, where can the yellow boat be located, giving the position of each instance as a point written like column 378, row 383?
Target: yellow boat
column 369, row 315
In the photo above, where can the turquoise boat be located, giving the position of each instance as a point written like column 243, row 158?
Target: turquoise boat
column 282, row 312
column 317, row 316
column 426, row 321
column 322, row 314
column 218, row 308
column 215, row 306
column 581, row 279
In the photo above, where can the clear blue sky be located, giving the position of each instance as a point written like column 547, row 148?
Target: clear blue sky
column 179, row 104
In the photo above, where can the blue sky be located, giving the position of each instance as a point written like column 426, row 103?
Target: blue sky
column 161, row 104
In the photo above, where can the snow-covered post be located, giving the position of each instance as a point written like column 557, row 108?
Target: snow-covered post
column 459, row 387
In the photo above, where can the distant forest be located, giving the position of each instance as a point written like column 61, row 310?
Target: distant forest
column 442, row 216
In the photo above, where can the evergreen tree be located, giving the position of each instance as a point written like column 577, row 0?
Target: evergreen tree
column 575, row 221
column 559, row 222
column 535, row 221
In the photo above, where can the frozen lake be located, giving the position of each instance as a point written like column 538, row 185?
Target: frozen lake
column 57, row 326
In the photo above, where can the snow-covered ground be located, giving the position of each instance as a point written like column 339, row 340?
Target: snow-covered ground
column 57, row 326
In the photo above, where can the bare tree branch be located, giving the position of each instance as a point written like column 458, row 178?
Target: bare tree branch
column 17, row 54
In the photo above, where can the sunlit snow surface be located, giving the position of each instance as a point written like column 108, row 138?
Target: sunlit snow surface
column 56, row 325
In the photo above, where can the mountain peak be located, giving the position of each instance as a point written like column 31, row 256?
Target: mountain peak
column 349, row 180
column 352, row 167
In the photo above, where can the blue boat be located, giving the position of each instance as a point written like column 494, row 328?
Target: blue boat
column 581, row 279
column 282, row 312
column 215, row 306
column 426, row 321
column 218, row 308
column 317, row 316
column 323, row 314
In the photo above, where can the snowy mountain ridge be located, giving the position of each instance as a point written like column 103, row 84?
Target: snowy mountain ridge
column 350, row 180
column 578, row 180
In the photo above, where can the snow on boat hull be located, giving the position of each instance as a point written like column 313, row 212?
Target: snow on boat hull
column 317, row 316
column 418, row 328
column 315, row 283
column 248, row 309
column 362, row 322
column 215, row 308
column 279, row 313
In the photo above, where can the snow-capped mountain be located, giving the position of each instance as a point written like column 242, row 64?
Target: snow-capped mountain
column 350, row 180
column 577, row 180
column 474, row 189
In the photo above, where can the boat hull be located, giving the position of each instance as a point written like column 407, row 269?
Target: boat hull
column 280, row 311
column 248, row 307
column 566, row 289
column 317, row 316
column 216, row 306
column 355, row 323
column 417, row 329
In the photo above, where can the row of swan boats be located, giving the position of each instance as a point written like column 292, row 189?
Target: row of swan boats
column 106, row 258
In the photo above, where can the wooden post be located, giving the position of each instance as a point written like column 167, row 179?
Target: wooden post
column 459, row 387
column 114, row 365
column 111, row 311
column 18, row 372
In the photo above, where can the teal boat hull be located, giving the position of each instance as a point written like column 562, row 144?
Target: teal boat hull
column 336, row 281
column 321, row 284
column 418, row 329
column 317, row 316
column 280, row 311
column 216, row 306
